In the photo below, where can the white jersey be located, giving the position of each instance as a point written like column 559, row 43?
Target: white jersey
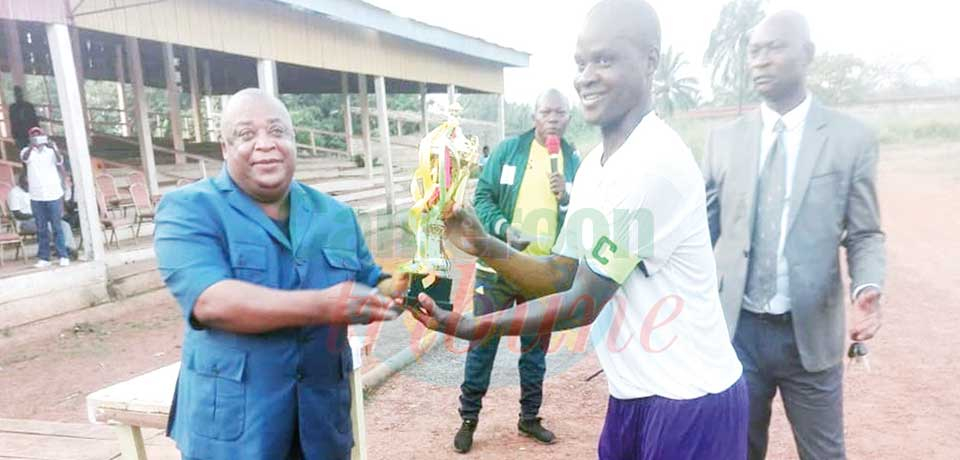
column 640, row 220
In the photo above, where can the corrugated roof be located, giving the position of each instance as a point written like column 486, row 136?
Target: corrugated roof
column 376, row 18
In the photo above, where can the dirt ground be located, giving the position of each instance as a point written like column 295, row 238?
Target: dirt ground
column 904, row 408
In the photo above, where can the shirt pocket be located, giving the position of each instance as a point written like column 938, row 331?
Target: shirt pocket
column 342, row 264
column 217, row 403
column 249, row 262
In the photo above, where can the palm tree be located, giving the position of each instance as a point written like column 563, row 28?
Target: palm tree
column 727, row 52
column 672, row 89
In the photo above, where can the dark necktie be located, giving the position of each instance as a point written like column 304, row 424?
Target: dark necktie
column 771, row 192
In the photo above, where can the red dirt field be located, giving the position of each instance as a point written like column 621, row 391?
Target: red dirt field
column 903, row 409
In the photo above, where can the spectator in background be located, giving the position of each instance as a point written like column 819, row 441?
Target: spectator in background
column 71, row 213
column 44, row 165
column 23, row 116
column 485, row 156
column 521, row 201
column 19, row 203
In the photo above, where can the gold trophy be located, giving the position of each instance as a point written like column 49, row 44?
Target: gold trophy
column 446, row 159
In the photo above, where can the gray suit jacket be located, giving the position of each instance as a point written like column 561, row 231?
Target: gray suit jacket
column 834, row 204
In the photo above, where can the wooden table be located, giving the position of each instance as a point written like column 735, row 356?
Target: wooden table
column 144, row 402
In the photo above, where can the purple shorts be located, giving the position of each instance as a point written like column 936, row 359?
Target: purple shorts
column 713, row 427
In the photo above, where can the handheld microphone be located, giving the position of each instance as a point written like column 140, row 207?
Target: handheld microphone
column 553, row 149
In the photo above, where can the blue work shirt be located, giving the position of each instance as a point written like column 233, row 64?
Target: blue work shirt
column 242, row 396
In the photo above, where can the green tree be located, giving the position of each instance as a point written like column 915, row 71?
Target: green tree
column 480, row 106
column 727, row 51
column 317, row 111
column 842, row 78
column 672, row 89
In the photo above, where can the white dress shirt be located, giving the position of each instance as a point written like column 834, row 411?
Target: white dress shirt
column 794, row 122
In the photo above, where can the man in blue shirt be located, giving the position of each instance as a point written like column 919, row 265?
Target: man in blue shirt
column 269, row 273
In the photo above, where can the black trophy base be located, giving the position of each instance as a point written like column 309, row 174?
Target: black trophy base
column 439, row 291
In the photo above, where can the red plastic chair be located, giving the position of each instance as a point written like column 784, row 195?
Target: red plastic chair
column 6, row 173
column 142, row 205
column 10, row 238
column 111, row 195
column 109, row 224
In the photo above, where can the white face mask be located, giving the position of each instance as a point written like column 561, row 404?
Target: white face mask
column 38, row 140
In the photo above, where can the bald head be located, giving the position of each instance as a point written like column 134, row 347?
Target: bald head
column 550, row 115
column 551, row 95
column 789, row 24
column 780, row 54
column 241, row 104
column 635, row 20
column 617, row 53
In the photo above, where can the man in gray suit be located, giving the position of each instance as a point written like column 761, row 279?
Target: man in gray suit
column 787, row 186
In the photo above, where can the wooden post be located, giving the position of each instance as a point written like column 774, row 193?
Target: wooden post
column 14, row 53
column 347, row 116
column 173, row 100
column 15, row 64
column 380, row 87
column 5, row 123
column 224, row 100
column 451, row 94
column 144, row 135
column 81, row 78
column 424, row 124
column 208, row 100
column 365, row 123
column 121, row 94
column 195, row 93
column 267, row 77
column 313, row 142
column 75, row 131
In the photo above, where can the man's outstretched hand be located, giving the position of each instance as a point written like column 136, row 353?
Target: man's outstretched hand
column 355, row 303
column 447, row 322
column 464, row 230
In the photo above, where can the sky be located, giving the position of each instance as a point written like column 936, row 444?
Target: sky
column 547, row 29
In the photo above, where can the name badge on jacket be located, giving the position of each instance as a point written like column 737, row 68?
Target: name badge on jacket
column 507, row 174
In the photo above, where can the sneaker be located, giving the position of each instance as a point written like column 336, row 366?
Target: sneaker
column 41, row 264
column 533, row 429
column 463, row 441
column 64, row 262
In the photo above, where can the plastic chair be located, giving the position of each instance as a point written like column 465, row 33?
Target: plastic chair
column 141, row 205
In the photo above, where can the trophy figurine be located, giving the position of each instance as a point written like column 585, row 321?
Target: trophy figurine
column 446, row 159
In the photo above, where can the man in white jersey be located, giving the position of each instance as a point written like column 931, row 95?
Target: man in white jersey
column 634, row 258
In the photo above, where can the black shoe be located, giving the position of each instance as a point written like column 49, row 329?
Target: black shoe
column 463, row 441
column 533, row 429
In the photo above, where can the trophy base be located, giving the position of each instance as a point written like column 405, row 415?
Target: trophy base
column 439, row 291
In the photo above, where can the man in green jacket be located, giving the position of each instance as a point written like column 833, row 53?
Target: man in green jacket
column 521, row 198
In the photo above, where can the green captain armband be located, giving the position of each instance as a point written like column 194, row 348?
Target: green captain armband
column 612, row 260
